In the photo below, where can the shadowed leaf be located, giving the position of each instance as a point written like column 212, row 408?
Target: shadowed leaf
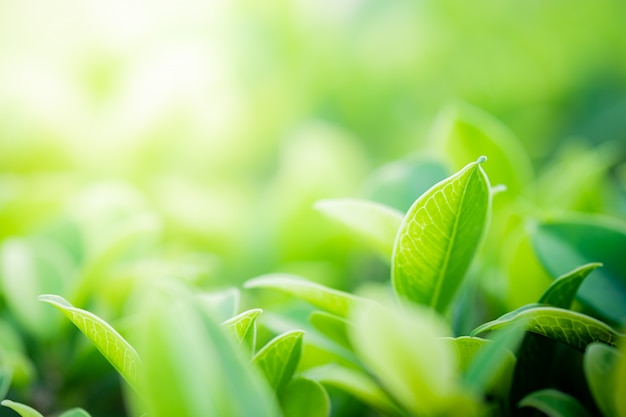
column 599, row 364
column 554, row 403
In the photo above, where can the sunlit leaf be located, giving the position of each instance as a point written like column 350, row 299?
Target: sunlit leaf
column 567, row 244
column 279, row 358
column 222, row 304
column 357, row 384
column 572, row 328
column 374, row 223
column 562, row 291
column 554, row 403
column 108, row 341
column 304, row 398
column 331, row 326
column 75, row 412
column 600, row 364
column 22, row 409
column 439, row 236
column 243, row 325
column 404, row 350
column 328, row 299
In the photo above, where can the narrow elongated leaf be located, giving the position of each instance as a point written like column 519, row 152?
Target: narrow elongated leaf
column 554, row 403
column 331, row 326
column 21, row 409
column 439, row 236
column 6, row 375
column 600, row 364
column 357, row 384
column 243, row 324
column 279, row 358
column 104, row 337
column 562, row 291
column 566, row 244
column 574, row 329
column 374, row 223
column 75, row 412
column 328, row 299
column 305, row 398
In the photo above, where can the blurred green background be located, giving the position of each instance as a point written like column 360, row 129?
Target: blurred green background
column 224, row 121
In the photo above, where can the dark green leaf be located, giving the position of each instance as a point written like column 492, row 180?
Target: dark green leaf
column 562, row 291
column 279, row 358
column 439, row 236
column 554, row 403
column 75, row 412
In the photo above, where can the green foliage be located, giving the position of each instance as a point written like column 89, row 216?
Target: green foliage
column 279, row 358
column 554, row 403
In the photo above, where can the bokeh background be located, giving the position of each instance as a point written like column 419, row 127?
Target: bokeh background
column 219, row 123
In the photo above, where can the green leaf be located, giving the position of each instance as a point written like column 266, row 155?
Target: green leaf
column 6, row 375
column 243, row 325
column 439, row 236
column 104, row 337
column 620, row 383
column 403, row 349
column 562, row 291
column 357, row 384
column 600, row 363
column 554, row 403
column 331, row 326
column 463, row 133
column 191, row 366
column 21, row 409
column 279, row 358
column 304, row 398
column 75, row 412
column 222, row 304
column 328, row 299
column 577, row 240
column 374, row 223
column 574, row 329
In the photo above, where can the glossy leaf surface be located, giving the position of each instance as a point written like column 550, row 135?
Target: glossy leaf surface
column 279, row 358
column 439, row 236
column 104, row 337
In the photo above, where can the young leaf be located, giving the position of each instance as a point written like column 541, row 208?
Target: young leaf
column 243, row 324
column 554, row 403
column 108, row 341
column 75, row 412
column 564, row 245
column 574, row 329
column 372, row 222
column 21, row 409
column 357, row 384
column 331, row 326
column 279, row 358
column 599, row 363
column 562, row 291
column 328, row 299
column 304, row 398
column 438, row 238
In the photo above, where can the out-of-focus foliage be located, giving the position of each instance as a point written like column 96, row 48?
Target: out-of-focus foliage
column 144, row 142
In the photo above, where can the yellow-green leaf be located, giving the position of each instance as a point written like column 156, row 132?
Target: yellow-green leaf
column 21, row 409
column 305, row 398
column 279, row 358
column 243, row 324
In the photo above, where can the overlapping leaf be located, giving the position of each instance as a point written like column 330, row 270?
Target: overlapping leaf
column 243, row 324
column 562, row 291
column 439, row 236
column 279, row 358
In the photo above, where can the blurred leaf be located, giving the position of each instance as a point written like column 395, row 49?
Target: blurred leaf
column 404, row 350
column 374, row 223
column 243, row 325
column 600, row 365
column 554, row 403
column 328, row 299
column 191, row 367
column 222, row 304
column 104, row 337
column 566, row 244
column 357, row 384
column 464, row 133
column 399, row 183
column 331, row 326
column 279, row 358
column 304, row 398
column 574, row 329
column 75, row 412
column 439, row 236
column 562, row 291
column 29, row 268
column 6, row 375
column 22, row 409
column 620, row 382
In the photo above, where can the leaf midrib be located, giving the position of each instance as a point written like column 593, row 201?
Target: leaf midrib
column 448, row 250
